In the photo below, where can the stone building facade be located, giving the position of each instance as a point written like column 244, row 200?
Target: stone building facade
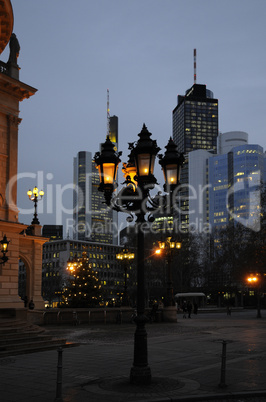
column 25, row 242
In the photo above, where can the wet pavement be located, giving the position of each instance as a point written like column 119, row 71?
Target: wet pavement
column 184, row 357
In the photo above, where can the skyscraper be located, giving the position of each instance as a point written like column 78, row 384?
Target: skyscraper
column 195, row 126
column 198, row 191
column 93, row 220
column 229, row 184
column 113, row 129
column 195, row 120
column 235, row 179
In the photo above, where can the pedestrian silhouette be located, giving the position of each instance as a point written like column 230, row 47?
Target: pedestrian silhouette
column 184, row 308
column 189, row 309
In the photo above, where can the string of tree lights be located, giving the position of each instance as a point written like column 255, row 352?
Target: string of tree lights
column 83, row 287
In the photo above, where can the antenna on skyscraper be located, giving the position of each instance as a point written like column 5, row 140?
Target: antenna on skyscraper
column 108, row 114
column 195, row 66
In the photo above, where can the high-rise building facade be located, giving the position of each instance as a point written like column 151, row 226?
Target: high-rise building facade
column 235, row 186
column 195, row 120
column 229, row 140
column 113, row 129
column 93, row 219
column 198, row 191
column 226, row 187
column 82, row 172
column 195, row 126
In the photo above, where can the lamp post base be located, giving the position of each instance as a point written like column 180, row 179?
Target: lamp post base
column 140, row 375
column 140, row 372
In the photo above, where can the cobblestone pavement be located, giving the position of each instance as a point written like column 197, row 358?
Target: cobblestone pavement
column 201, row 324
column 185, row 361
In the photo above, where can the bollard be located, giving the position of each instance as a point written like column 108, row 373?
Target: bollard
column 222, row 382
column 104, row 313
column 58, row 397
column 89, row 317
column 119, row 317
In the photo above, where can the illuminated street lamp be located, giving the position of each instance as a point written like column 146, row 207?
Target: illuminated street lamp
column 134, row 198
column 34, row 196
column 168, row 248
column 254, row 280
column 4, row 249
column 171, row 164
column 125, row 256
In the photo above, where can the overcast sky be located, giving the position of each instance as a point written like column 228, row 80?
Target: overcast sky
column 142, row 50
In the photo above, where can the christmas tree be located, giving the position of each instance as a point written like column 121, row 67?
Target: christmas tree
column 83, row 287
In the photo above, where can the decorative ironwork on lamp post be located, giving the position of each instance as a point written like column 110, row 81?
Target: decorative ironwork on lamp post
column 134, row 198
column 34, row 196
column 169, row 246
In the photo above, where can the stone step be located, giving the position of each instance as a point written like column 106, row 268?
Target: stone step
column 19, row 337
column 35, row 348
column 11, row 323
column 22, row 338
column 24, row 333
column 32, row 343
column 4, row 331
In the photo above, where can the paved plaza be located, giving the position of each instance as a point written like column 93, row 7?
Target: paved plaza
column 185, row 361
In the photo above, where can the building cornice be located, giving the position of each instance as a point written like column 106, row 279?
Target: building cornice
column 17, row 89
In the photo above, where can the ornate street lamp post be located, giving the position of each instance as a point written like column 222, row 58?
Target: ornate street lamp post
column 135, row 198
column 125, row 256
column 34, row 196
column 168, row 247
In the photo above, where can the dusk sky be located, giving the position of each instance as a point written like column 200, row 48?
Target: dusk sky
column 142, row 51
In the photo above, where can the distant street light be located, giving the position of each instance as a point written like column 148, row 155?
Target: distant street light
column 34, row 196
column 168, row 248
column 255, row 280
column 125, row 256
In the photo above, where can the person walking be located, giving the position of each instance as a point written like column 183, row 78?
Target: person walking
column 184, row 308
column 189, row 309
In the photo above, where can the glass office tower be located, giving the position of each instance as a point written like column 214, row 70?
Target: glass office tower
column 235, row 180
column 195, row 120
column 195, row 126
